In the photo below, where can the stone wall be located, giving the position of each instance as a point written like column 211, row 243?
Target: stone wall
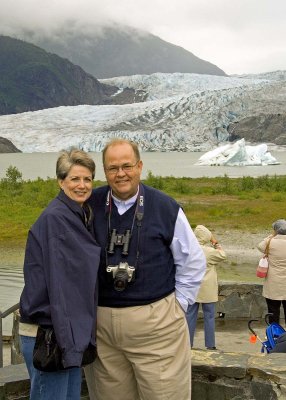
column 238, row 376
column 215, row 375
column 15, row 384
column 241, row 300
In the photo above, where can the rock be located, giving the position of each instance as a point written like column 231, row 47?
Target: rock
column 6, row 146
column 261, row 128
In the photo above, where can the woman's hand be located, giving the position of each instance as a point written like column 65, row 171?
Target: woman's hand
column 215, row 243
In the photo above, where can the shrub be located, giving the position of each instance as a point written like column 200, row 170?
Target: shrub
column 156, row 182
column 13, row 181
column 247, row 183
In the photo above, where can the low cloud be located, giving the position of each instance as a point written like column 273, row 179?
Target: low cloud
column 224, row 32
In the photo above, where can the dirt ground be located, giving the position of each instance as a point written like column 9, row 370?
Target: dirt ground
column 241, row 246
column 232, row 336
column 242, row 254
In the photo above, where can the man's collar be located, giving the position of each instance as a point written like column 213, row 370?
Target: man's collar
column 127, row 202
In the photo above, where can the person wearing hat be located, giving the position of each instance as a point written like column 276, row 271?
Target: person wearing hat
column 208, row 293
column 274, row 287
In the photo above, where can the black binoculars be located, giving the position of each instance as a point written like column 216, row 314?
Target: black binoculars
column 119, row 239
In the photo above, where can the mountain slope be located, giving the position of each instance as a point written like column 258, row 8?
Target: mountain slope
column 121, row 51
column 32, row 79
column 6, row 146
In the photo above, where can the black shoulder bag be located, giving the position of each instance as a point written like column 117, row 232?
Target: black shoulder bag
column 47, row 354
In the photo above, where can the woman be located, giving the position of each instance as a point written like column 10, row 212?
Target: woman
column 274, row 288
column 60, row 273
column 208, row 293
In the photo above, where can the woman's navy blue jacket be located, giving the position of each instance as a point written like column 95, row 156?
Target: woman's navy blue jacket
column 60, row 273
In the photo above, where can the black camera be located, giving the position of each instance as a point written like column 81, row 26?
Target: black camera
column 122, row 274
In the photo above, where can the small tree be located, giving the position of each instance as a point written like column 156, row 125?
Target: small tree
column 13, row 176
column 13, row 180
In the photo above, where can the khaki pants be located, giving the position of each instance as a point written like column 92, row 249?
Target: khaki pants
column 143, row 353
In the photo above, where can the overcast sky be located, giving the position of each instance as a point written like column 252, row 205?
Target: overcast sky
column 239, row 36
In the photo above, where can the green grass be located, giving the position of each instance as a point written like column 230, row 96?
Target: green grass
column 242, row 203
column 246, row 204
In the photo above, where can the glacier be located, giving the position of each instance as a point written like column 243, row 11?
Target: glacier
column 238, row 154
column 182, row 112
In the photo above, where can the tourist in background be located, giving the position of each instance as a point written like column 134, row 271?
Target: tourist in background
column 60, row 274
column 208, row 293
column 274, row 287
column 150, row 271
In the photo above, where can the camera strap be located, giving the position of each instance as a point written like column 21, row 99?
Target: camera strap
column 87, row 216
column 138, row 217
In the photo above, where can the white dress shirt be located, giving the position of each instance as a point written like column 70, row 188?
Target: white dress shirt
column 188, row 256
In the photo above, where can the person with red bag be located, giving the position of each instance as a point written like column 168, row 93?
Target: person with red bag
column 274, row 287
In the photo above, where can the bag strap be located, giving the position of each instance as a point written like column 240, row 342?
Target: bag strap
column 266, row 251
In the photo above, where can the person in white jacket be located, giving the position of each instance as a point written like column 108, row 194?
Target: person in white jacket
column 208, row 293
column 274, row 287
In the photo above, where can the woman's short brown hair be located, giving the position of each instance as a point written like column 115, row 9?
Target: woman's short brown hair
column 67, row 159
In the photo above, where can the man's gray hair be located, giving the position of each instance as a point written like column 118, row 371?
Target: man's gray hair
column 116, row 141
column 279, row 226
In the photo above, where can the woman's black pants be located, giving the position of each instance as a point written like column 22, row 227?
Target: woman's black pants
column 274, row 308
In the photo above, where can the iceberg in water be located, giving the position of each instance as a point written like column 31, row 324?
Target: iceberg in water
column 238, row 154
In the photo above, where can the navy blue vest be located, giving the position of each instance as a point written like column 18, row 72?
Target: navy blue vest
column 155, row 271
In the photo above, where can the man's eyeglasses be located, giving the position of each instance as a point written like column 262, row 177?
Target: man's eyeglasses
column 113, row 170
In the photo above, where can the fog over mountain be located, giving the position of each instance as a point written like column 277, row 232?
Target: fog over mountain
column 182, row 112
column 238, row 36
column 118, row 50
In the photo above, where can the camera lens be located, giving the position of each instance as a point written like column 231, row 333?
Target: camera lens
column 120, row 281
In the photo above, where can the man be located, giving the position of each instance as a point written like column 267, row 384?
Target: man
column 150, row 271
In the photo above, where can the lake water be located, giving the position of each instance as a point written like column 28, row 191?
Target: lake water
column 33, row 165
